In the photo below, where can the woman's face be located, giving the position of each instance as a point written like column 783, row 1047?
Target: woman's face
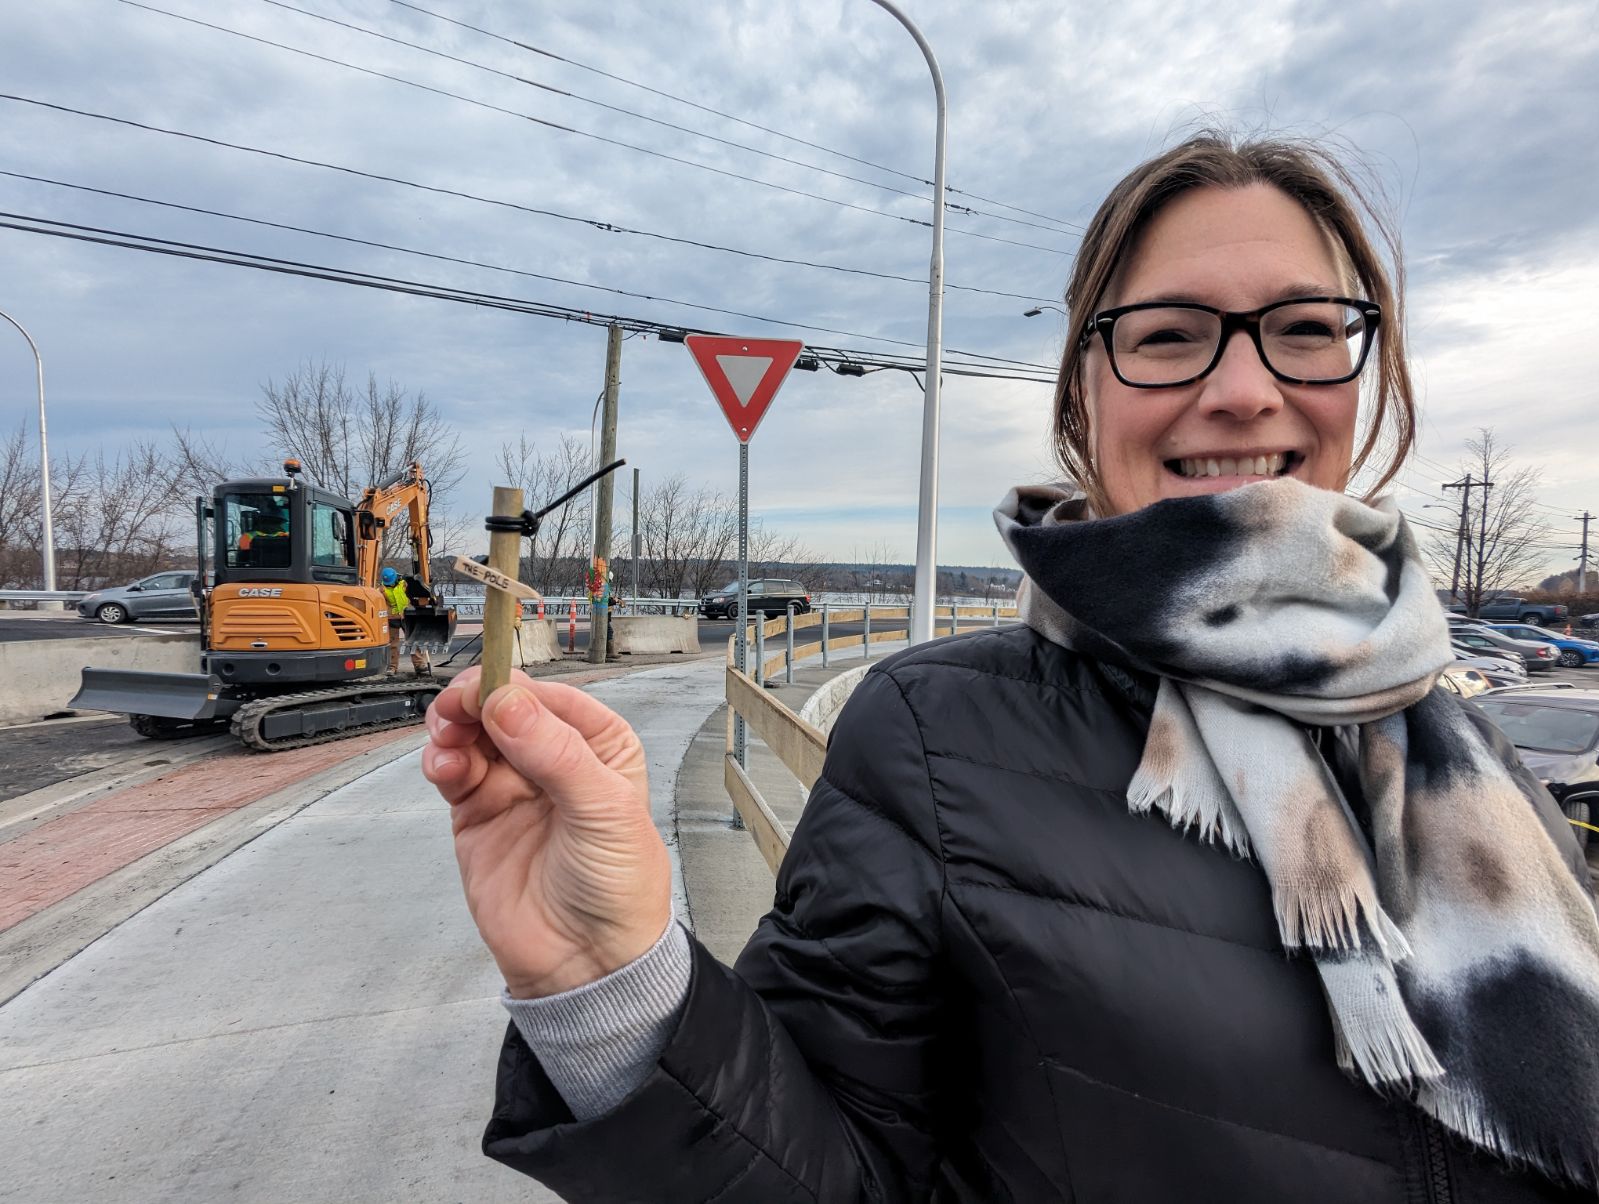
column 1236, row 249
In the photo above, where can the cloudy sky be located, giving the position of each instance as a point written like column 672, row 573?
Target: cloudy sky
column 1476, row 119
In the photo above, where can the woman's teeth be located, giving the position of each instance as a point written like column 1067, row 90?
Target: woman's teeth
column 1247, row 466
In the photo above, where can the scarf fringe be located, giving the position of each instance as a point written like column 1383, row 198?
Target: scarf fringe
column 1332, row 921
column 1386, row 1049
column 1209, row 815
column 1461, row 1110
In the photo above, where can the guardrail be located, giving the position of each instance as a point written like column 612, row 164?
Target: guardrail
column 799, row 745
column 470, row 606
column 9, row 596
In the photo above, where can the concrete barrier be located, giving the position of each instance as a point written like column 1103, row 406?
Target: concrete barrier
column 38, row 677
column 821, row 708
column 655, row 634
column 537, row 643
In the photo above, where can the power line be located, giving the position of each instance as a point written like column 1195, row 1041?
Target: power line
column 581, row 133
column 843, row 357
column 670, row 125
column 474, row 263
column 460, row 194
column 754, row 125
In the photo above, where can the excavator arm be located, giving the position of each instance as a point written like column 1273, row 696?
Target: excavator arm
column 426, row 627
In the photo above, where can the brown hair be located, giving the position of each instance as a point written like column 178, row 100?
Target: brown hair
column 1332, row 196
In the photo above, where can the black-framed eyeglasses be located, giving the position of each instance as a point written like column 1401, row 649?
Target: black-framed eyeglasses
column 1302, row 341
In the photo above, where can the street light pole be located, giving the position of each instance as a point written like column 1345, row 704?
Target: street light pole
column 44, row 460
column 927, row 506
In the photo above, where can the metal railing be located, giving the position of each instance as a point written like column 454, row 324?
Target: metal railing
column 798, row 744
column 470, row 606
column 9, row 596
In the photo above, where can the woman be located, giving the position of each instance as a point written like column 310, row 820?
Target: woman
column 1189, row 889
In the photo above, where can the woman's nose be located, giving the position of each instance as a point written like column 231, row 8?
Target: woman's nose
column 1241, row 385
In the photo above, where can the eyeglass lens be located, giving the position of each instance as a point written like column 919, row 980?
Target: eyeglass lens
column 1310, row 341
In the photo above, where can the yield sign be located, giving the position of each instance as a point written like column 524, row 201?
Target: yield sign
column 744, row 374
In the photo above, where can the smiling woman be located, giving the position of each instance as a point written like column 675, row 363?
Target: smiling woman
column 1192, row 887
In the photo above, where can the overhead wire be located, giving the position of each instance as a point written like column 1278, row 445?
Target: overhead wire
column 754, row 125
column 1059, row 228
column 537, row 211
column 590, row 134
column 478, row 263
column 200, row 252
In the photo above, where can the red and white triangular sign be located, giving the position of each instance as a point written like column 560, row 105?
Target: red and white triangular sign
column 744, row 374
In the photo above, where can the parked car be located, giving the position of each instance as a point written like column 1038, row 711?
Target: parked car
column 770, row 595
column 1499, row 670
column 1557, row 734
column 1571, row 651
column 1502, row 608
column 1589, row 620
column 1538, row 657
column 1468, row 683
column 162, row 596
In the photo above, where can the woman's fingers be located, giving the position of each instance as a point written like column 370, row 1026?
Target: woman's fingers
column 544, row 747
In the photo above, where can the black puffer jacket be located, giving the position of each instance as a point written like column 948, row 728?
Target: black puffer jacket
column 985, row 980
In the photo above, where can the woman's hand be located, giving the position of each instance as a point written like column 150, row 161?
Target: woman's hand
column 564, row 871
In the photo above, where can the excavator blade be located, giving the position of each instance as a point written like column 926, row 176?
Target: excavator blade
column 139, row 692
column 428, row 629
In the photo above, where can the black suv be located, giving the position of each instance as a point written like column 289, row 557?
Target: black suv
column 770, row 595
column 1557, row 733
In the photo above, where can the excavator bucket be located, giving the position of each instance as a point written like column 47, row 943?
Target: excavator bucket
column 428, row 629
column 138, row 692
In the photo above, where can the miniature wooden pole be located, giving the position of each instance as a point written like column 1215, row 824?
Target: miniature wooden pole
column 501, row 609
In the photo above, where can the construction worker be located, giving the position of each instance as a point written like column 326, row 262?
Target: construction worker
column 399, row 602
column 266, row 543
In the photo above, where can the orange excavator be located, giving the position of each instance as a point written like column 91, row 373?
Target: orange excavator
column 294, row 631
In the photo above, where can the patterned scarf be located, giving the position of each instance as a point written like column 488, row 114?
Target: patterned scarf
column 1457, row 951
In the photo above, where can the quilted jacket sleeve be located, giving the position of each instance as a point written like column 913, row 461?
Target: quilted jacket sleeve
column 805, row 1074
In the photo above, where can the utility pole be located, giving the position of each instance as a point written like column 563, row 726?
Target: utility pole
column 1463, row 539
column 602, row 519
column 1460, row 535
column 638, row 540
column 1582, row 559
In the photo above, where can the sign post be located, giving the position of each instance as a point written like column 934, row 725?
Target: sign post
column 744, row 376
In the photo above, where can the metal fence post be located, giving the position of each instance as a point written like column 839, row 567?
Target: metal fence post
column 824, row 635
column 788, row 653
column 866, row 632
column 760, row 648
column 954, row 618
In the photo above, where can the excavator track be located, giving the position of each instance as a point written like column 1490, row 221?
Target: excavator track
column 320, row 716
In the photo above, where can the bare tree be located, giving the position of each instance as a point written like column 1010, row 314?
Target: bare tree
column 773, row 554
column 873, row 574
column 557, row 558
column 347, row 439
column 687, row 536
column 115, row 518
column 20, row 513
column 1498, row 544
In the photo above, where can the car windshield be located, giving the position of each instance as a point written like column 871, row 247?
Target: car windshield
column 1544, row 728
column 730, row 588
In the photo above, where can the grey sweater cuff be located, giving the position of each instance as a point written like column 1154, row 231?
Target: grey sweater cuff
column 598, row 1042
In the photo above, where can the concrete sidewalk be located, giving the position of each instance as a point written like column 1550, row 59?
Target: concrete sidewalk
column 313, row 1018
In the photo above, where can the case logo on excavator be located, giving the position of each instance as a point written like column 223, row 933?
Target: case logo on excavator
column 260, row 592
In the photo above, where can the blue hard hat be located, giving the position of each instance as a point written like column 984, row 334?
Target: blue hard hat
column 390, row 576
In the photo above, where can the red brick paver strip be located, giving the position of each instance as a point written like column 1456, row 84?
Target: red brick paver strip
column 77, row 849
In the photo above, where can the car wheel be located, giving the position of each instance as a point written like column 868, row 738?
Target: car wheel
column 1580, row 811
column 112, row 612
column 1570, row 659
